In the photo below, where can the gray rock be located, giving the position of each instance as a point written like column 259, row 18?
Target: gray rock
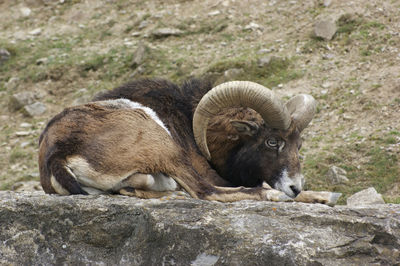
column 253, row 26
column 364, row 197
column 25, row 11
column 12, row 84
column 166, row 32
column 327, row 3
column 266, row 61
column 337, row 175
column 35, row 109
column 42, row 61
column 38, row 229
column 4, row 55
column 81, row 100
column 325, row 28
column 19, row 100
column 36, row 32
column 143, row 24
column 233, row 73
column 140, row 55
column 27, row 186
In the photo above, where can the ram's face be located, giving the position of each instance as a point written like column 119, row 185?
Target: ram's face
column 266, row 155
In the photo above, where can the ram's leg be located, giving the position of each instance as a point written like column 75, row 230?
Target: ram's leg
column 324, row 197
column 143, row 194
column 202, row 166
column 146, row 186
column 229, row 194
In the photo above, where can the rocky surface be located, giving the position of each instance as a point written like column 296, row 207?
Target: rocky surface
column 76, row 230
column 367, row 196
column 337, row 175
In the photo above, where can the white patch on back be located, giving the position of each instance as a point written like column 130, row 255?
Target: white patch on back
column 125, row 103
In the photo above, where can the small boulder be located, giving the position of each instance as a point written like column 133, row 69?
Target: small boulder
column 35, row 109
column 140, row 55
column 12, row 84
column 325, row 29
column 25, row 11
column 367, row 196
column 233, row 73
column 4, row 55
column 166, row 32
column 27, row 186
column 336, row 175
column 19, row 100
column 36, row 32
column 268, row 60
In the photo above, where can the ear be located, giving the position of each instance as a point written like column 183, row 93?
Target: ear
column 244, row 127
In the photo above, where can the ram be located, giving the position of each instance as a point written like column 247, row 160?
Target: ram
column 243, row 135
column 121, row 145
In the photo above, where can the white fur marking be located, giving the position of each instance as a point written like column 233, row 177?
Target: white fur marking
column 285, row 182
column 57, row 186
column 163, row 183
column 125, row 103
column 89, row 177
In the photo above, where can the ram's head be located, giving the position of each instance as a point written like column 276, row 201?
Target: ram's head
column 251, row 136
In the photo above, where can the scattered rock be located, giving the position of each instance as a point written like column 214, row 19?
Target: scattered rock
column 138, row 72
column 40, row 229
column 337, row 175
column 25, row 11
column 139, row 56
column 214, row 13
column 327, row 3
column 233, row 73
column 19, row 100
column 143, row 24
column 25, row 144
column 23, row 133
column 266, row 61
column 166, row 32
column 4, row 55
column 12, row 84
column 25, row 125
column 36, row 32
column 325, row 28
column 27, row 186
column 81, row 100
column 253, row 26
column 20, row 35
column 41, row 61
column 35, row 109
column 365, row 197
column 264, row 51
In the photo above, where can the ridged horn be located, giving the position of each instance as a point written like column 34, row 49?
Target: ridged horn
column 302, row 109
column 238, row 94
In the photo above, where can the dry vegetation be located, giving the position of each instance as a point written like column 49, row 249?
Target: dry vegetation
column 85, row 46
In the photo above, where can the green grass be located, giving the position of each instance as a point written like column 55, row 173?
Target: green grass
column 380, row 169
column 278, row 71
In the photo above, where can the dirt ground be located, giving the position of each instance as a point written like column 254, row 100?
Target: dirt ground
column 66, row 51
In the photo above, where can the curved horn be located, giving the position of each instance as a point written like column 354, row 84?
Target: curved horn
column 302, row 109
column 235, row 94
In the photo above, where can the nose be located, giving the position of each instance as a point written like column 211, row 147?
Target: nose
column 295, row 190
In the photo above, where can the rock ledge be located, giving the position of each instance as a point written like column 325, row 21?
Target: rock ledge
column 76, row 230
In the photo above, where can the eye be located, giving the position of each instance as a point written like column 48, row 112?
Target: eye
column 272, row 142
